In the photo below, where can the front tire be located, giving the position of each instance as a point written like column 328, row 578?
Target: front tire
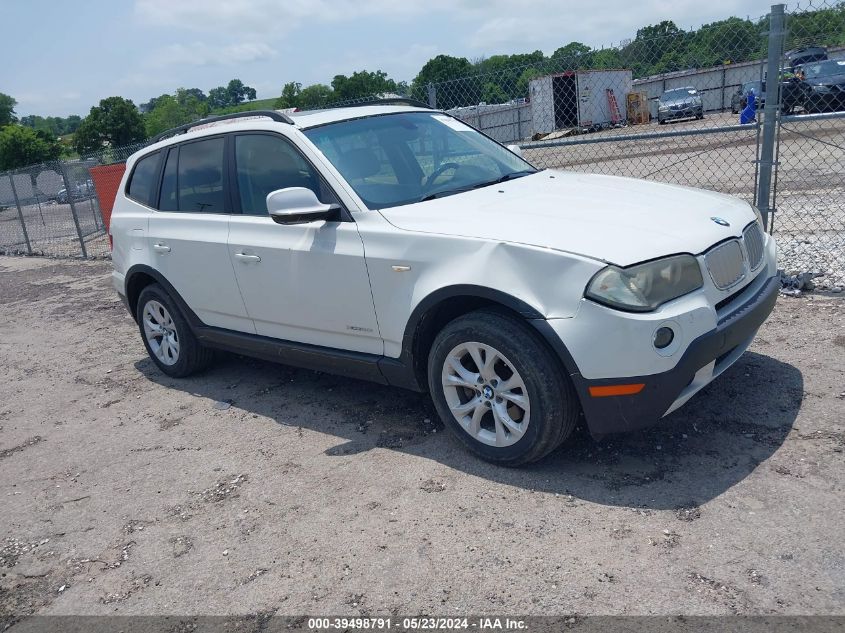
column 167, row 336
column 499, row 389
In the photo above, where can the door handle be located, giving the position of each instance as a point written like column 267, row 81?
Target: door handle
column 161, row 248
column 247, row 258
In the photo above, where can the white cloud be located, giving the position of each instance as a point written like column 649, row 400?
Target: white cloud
column 263, row 16
column 488, row 24
column 203, row 54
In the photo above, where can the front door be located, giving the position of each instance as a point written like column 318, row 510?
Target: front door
column 306, row 283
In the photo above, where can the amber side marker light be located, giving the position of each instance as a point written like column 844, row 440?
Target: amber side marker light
column 616, row 390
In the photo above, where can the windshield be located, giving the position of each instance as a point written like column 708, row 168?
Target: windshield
column 678, row 93
column 824, row 69
column 395, row 159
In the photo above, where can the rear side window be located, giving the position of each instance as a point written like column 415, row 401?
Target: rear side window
column 143, row 181
column 200, row 176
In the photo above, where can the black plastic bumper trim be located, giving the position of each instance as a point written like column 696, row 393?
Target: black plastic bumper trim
column 616, row 414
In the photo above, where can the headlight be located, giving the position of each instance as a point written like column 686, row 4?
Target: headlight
column 822, row 89
column 645, row 287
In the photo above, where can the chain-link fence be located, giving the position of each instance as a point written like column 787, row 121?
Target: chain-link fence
column 60, row 208
column 690, row 108
column 809, row 188
column 724, row 107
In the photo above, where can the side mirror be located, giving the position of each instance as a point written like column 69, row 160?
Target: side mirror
column 298, row 205
column 516, row 149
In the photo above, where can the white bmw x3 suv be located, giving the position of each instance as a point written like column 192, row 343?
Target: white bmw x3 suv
column 397, row 244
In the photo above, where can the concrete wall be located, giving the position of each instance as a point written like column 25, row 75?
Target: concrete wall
column 504, row 122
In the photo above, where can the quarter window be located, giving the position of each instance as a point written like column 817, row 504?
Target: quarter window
column 167, row 200
column 142, row 184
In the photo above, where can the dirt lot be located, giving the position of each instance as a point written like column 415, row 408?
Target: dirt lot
column 260, row 488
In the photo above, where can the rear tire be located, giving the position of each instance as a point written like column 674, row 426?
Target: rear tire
column 167, row 336
column 499, row 389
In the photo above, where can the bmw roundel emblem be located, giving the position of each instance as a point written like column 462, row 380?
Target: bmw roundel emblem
column 720, row 221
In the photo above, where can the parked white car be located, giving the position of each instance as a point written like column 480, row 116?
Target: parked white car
column 399, row 245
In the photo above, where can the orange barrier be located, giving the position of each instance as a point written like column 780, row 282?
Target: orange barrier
column 106, row 182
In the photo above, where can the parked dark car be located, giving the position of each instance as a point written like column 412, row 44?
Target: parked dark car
column 805, row 55
column 793, row 94
column 679, row 103
column 826, row 83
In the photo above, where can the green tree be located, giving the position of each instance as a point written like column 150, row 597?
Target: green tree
column 445, row 68
column 72, row 124
column 189, row 97
column 238, row 92
column 316, row 96
column 21, row 146
column 7, row 110
column 150, row 105
column 115, row 122
column 218, row 98
column 53, row 125
column 727, row 41
column 825, row 27
column 657, row 48
column 524, row 80
column 572, row 56
column 606, row 58
column 492, row 93
column 290, row 95
column 362, row 84
column 232, row 94
column 504, row 71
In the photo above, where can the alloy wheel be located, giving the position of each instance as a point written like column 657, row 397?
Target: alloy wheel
column 486, row 394
column 160, row 331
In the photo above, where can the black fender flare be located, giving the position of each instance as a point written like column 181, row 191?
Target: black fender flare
column 532, row 316
column 193, row 320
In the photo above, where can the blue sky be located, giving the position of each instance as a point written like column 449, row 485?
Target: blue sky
column 61, row 58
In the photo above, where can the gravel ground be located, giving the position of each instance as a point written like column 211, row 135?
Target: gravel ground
column 257, row 488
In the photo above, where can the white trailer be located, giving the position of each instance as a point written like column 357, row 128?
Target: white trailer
column 577, row 99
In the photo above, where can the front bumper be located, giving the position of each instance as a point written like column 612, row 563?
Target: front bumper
column 704, row 359
column 834, row 100
column 683, row 113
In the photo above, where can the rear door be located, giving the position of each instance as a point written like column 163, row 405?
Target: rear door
column 188, row 233
column 306, row 283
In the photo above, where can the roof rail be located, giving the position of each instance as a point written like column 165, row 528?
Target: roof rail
column 408, row 101
column 182, row 129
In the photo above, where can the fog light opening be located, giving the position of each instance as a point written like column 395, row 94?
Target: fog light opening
column 663, row 337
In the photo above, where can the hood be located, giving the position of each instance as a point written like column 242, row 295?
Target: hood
column 830, row 80
column 689, row 99
column 617, row 220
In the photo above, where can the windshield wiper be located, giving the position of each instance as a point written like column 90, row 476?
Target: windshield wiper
column 444, row 192
column 501, row 179
column 506, row 177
